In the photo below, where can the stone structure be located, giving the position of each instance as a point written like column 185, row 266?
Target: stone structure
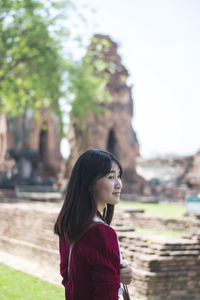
column 113, row 129
column 27, row 232
column 34, row 145
column 163, row 268
column 141, row 220
column 191, row 171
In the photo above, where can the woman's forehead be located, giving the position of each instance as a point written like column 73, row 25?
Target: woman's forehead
column 114, row 167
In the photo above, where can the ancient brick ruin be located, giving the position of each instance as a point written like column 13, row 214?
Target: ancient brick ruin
column 34, row 145
column 113, row 129
column 164, row 268
column 191, row 171
column 41, row 136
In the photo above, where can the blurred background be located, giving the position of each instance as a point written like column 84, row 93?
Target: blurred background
column 116, row 75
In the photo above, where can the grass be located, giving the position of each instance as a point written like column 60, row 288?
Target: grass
column 162, row 210
column 167, row 233
column 16, row 285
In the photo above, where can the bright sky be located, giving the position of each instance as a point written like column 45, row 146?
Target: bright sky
column 160, row 46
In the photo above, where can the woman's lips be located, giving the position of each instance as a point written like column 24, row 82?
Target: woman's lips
column 116, row 194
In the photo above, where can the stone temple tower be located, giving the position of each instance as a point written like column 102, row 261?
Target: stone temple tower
column 113, row 130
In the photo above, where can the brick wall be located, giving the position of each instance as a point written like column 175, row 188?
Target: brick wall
column 164, row 268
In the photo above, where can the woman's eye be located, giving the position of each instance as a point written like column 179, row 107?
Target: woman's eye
column 110, row 177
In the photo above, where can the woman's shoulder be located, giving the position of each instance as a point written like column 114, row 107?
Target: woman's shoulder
column 100, row 241
column 100, row 232
column 101, row 228
column 96, row 230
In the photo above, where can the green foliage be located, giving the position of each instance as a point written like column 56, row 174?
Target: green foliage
column 88, row 80
column 161, row 210
column 16, row 285
column 88, row 91
column 30, row 67
column 33, row 68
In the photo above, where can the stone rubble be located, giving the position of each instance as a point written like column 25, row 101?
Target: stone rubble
column 164, row 268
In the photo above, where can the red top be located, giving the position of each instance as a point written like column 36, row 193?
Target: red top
column 95, row 265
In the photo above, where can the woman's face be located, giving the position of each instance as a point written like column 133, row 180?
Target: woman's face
column 108, row 188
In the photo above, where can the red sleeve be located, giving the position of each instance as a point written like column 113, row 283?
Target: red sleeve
column 104, row 263
column 64, row 252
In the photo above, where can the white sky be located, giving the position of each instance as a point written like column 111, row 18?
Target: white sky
column 160, row 46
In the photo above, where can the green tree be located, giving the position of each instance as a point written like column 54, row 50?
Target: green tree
column 34, row 72
column 88, row 80
column 31, row 65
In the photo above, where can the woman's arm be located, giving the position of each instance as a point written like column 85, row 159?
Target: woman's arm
column 63, row 260
column 104, row 264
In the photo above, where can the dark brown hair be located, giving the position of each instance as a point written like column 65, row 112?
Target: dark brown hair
column 80, row 206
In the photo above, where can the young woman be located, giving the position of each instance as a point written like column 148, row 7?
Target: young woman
column 95, row 268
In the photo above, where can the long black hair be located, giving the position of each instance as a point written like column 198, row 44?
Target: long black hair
column 80, row 206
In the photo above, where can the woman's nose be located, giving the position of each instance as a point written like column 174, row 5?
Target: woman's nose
column 118, row 183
